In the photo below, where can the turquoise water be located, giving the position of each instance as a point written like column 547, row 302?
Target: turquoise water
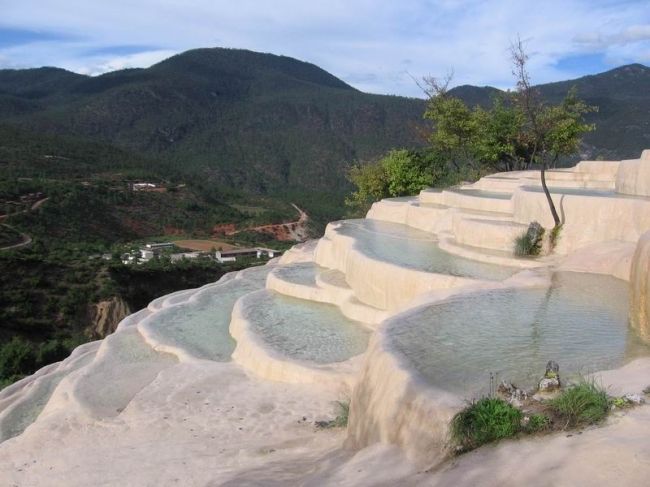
column 409, row 247
column 300, row 273
column 306, row 330
column 200, row 327
column 581, row 322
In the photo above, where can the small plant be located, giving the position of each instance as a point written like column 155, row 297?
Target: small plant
column 555, row 235
column 341, row 419
column 537, row 423
column 620, row 402
column 530, row 242
column 488, row 419
column 646, row 390
column 582, row 404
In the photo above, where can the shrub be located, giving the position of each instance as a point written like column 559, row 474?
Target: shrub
column 52, row 351
column 530, row 242
column 555, row 235
column 582, row 404
column 488, row 419
column 17, row 358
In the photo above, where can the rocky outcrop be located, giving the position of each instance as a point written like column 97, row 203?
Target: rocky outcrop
column 640, row 288
column 106, row 315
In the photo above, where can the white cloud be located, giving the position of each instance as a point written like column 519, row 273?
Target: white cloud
column 363, row 41
column 103, row 65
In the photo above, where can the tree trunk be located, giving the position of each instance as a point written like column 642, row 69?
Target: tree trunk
column 551, row 205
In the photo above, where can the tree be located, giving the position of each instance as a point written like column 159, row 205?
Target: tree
column 371, row 183
column 549, row 131
column 454, row 123
column 400, row 172
column 407, row 172
column 498, row 142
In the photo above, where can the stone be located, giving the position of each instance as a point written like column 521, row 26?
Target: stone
column 535, row 232
column 552, row 369
column 551, row 380
column 512, row 393
column 549, row 385
column 636, row 399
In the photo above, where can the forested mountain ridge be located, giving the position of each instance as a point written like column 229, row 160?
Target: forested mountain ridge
column 253, row 121
column 267, row 124
column 622, row 96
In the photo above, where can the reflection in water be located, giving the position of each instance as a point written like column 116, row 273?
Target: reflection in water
column 581, row 322
column 408, row 247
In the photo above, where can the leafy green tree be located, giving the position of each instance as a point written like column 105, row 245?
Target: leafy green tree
column 454, row 123
column 499, row 143
column 550, row 131
column 400, row 172
column 371, row 184
column 407, row 172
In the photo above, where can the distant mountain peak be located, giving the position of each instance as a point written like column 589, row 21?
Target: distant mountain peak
column 219, row 61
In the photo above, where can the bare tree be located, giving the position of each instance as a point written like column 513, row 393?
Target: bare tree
column 531, row 104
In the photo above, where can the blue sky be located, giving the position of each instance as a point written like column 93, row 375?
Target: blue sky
column 376, row 45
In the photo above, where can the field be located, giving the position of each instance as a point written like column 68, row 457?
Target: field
column 203, row 245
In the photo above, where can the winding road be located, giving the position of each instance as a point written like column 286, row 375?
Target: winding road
column 27, row 240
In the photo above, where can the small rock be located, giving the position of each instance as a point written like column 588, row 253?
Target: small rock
column 549, row 385
column 551, row 380
column 512, row 393
column 552, row 368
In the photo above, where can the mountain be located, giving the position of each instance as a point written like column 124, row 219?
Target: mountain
column 266, row 124
column 622, row 96
column 258, row 122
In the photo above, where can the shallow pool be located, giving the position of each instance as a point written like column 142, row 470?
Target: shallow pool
column 581, row 322
column 600, row 193
column 200, row 326
column 306, row 330
column 409, row 247
column 482, row 193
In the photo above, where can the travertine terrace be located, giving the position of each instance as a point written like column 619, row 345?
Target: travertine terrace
column 222, row 385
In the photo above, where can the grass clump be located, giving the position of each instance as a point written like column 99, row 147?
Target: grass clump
column 488, row 419
column 341, row 419
column 582, row 404
column 537, row 423
column 529, row 243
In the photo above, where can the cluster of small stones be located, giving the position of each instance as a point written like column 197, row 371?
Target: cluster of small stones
column 549, row 386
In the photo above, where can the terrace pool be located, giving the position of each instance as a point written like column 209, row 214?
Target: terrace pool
column 305, row 330
column 581, row 322
column 409, row 247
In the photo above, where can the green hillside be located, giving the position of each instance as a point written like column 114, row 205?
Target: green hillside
column 622, row 96
column 252, row 121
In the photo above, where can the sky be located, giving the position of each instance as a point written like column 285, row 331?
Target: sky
column 378, row 46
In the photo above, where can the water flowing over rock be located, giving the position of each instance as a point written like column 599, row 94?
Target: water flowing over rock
column 640, row 288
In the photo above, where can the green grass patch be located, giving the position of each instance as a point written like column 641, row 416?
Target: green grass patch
column 581, row 404
column 341, row 419
column 537, row 423
column 483, row 421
